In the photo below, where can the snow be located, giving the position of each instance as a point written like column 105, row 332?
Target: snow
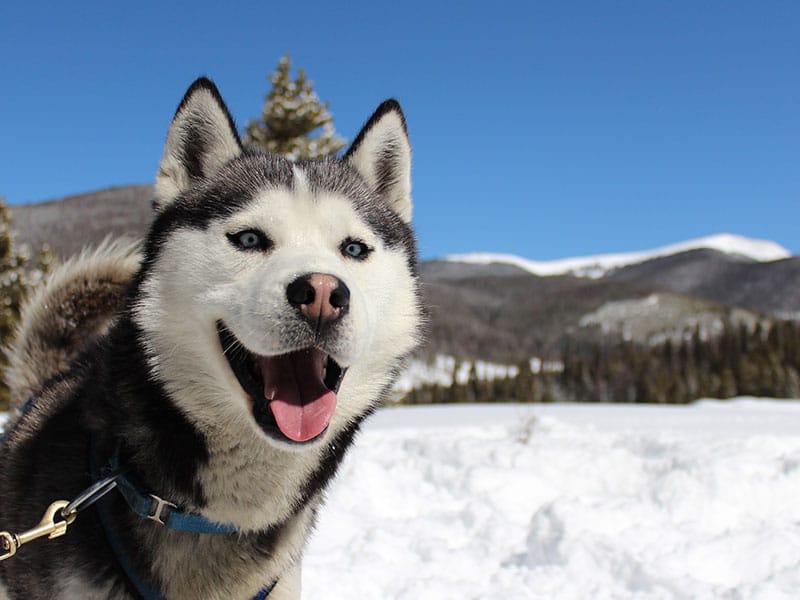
column 565, row 502
column 443, row 370
column 598, row 265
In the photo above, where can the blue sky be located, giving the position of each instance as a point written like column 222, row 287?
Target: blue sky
column 540, row 129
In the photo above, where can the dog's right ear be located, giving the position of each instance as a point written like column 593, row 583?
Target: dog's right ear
column 201, row 139
column 381, row 153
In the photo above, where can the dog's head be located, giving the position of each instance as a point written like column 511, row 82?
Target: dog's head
column 278, row 293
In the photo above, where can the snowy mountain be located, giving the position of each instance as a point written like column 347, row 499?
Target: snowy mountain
column 501, row 308
column 600, row 265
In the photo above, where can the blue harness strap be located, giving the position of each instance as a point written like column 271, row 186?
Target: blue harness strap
column 150, row 506
column 145, row 589
column 264, row 593
column 20, row 411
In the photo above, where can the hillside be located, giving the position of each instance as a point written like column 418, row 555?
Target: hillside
column 69, row 224
column 601, row 264
column 501, row 318
column 768, row 287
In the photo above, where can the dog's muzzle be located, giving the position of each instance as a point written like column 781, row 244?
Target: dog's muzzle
column 293, row 395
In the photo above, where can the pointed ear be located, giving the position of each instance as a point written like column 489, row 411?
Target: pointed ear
column 201, row 139
column 381, row 153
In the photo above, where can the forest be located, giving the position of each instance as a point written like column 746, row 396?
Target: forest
column 737, row 360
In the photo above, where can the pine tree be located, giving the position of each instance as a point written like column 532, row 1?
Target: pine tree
column 18, row 273
column 525, row 383
column 292, row 113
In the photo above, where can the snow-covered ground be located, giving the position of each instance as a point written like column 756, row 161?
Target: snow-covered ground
column 566, row 502
column 599, row 265
column 572, row 502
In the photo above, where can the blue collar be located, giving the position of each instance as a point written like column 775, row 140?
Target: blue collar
column 150, row 506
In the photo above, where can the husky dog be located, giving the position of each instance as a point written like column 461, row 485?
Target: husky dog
column 223, row 369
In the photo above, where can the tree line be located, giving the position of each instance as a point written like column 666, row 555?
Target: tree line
column 738, row 360
column 19, row 273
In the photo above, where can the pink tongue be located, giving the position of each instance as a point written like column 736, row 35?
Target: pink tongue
column 301, row 403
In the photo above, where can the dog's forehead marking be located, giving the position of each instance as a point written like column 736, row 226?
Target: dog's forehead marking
column 301, row 215
column 299, row 178
column 251, row 180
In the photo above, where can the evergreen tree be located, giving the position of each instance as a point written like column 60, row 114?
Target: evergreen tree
column 292, row 113
column 525, row 383
column 473, row 384
column 18, row 273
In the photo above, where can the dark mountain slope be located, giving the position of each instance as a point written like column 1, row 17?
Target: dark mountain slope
column 772, row 288
column 69, row 224
column 502, row 318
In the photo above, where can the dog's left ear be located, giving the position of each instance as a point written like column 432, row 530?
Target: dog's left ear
column 381, row 153
column 201, row 139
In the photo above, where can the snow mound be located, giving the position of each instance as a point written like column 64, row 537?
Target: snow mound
column 598, row 265
column 565, row 502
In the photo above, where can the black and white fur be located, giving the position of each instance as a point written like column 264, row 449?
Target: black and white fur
column 151, row 376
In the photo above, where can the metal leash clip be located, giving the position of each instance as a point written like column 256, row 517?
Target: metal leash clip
column 48, row 526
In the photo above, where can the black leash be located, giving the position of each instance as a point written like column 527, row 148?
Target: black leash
column 91, row 494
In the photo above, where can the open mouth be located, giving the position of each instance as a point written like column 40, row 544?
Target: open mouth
column 293, row 395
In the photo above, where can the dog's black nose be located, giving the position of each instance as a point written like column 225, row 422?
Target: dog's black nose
column 319, row 297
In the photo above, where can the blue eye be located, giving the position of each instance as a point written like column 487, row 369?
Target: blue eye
column 250, row 239
column 355, row 249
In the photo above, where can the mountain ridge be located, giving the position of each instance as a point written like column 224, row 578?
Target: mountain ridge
column 599, row 265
